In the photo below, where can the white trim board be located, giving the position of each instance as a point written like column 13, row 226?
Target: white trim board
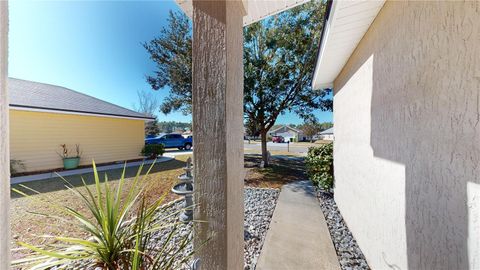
column 347, row 23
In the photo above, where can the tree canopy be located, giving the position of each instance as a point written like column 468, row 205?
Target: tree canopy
column 172, row 53
column 311, row 128
column 279, row 57
column 279, row 60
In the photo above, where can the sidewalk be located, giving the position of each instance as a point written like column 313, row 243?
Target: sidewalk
column 298, row 237
column 43, row 176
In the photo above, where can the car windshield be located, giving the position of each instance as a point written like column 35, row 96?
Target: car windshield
column 155, row 136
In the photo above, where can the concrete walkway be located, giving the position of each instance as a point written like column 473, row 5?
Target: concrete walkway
column 43, row 176
column 298, row 237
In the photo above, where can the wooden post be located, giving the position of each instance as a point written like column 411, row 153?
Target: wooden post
column 217, row 95
column 4, row 142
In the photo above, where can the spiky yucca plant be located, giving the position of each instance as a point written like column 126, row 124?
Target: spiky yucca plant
column 120, row 230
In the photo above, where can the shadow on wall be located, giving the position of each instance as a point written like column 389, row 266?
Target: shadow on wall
column 425, row 114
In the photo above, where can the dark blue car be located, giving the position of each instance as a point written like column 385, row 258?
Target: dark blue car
column 171, row 141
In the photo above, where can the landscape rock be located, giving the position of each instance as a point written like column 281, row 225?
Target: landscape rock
column 259, row 206
column 349, row 254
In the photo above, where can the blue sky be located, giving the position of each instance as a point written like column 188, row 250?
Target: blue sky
column 93, row 47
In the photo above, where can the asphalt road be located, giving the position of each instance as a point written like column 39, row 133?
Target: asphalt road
column 291, row 147
column 254, row 146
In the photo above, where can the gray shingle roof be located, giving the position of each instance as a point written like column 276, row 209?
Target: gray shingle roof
column 34, row 95
column 286, row 126
column 327, row 131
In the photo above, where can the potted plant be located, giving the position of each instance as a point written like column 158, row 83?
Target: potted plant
column 70, row 162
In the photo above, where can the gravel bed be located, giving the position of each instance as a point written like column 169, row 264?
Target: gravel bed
column 259, row 206
column 348, row 252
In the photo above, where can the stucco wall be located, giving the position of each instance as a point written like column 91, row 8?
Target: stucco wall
column 35, row 138
column 407, row 137
column 4, row 138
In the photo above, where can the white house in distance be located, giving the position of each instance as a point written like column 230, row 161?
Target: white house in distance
column 289, row 133
column 326, row 135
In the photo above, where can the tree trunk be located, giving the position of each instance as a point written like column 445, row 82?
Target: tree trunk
column 263, row 134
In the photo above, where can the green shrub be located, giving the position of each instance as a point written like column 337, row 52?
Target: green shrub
column 120, row 224
column 153, row 150
column 320, row 165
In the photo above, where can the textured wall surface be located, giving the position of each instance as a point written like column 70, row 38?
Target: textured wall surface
column 217, row 94
column 407, row 137
column 35, row 138
column 4, row 145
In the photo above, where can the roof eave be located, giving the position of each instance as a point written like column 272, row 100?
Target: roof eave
column 315, row 84
column 341, row 20
column 54, row 110
column 256, row 9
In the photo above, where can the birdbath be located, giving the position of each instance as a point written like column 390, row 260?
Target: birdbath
column 185, row 188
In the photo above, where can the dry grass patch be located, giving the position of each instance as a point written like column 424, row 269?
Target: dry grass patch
column 26, row 225
column 310, row 144
column 282, row 170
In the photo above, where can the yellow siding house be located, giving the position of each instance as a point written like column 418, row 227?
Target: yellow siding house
column 43, row 116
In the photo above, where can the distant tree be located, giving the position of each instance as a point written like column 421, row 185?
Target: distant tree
column 310, row 128
column 279, row 59
column 172, row 53
column 325, row 126
column 148, row 105
column 171, row 126
column 151, row 127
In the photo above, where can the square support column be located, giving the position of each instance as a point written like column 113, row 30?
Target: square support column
column 217, row 95
column 4, row 142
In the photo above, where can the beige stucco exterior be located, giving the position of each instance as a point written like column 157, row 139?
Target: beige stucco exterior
column 4, row 139
column 35, row 138
column 217, row 119
column 407, row 137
